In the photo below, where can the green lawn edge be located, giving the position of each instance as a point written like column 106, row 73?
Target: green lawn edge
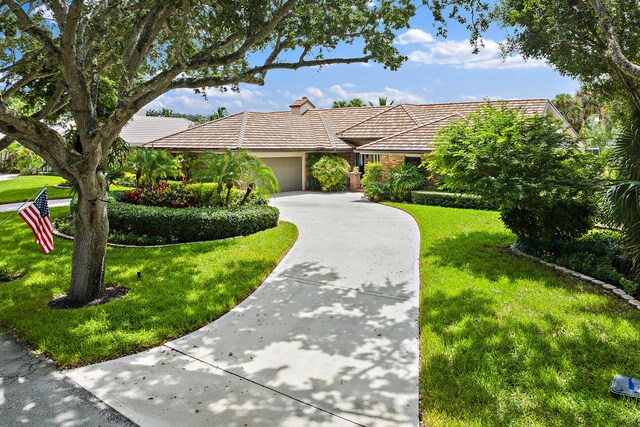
column 505, row 341
column 181, row 289
column 23, row 188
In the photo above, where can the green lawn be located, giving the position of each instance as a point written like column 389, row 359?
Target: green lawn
column 182, row 288
column 23, row 187
column 507, row 342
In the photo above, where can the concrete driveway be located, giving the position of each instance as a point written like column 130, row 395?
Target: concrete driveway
column 330, row 338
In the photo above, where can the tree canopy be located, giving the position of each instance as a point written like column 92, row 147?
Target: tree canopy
column 94, row 63
column 594, row 41
column 195, row 118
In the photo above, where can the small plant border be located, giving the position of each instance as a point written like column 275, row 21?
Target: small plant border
column 608, row 288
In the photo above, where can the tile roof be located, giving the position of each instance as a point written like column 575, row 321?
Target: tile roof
column 142, row 129
column 405, row 116
column 404, row 127
column 418, row 139
column 315, row 130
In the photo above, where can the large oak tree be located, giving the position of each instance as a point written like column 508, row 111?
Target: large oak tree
column 94, row 63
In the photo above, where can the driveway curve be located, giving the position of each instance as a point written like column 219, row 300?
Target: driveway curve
column 330, row 338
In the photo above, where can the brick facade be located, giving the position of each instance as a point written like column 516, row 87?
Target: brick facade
column 354, row 181
column 390, row 161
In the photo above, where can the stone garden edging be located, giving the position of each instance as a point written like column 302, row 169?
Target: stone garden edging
column 608, row 288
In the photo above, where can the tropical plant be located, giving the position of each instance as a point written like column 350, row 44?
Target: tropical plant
column 332, row 173
column 402, row 180
column 236, row 169
column 382, row 101
column 543, row 184
column 152, row 165
column 372, row 181
column 355, row 102
column 372, row 173
column 622, row 199
column 258, row 177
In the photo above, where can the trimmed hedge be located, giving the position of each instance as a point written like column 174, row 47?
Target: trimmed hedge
column 451, row 200
column 176, row 225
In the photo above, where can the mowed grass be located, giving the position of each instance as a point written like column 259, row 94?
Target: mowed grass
column 506, row 342
column 21, row 188
column 181, row 289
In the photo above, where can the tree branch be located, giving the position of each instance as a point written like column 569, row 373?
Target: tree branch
column 613, row 45
column 26, row 24
column 9, row 92
column 31, row 133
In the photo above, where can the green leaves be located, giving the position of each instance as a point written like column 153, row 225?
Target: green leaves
column 543, row 184
column 331, row 172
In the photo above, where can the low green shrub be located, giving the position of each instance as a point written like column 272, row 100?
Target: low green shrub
column 555, row 219
column 372, row 174
column 190, row 225
column 599, row 254
column 313, row 183
column 451, row 200
column 332, row 173
column 153, row 225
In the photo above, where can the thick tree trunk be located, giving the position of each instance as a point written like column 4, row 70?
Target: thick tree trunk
column 90, row 241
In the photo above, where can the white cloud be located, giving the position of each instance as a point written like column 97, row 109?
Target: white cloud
column 473, row 98
column 314, row 92
column 346, row 92
column 460, row 55
column 186, row 101
column 414, row 35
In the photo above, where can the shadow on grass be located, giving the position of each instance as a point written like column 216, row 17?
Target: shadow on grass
column 492, row 371
column 516, row 342
column 181, row 288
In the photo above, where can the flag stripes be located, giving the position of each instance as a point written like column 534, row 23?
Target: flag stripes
column 37, row 217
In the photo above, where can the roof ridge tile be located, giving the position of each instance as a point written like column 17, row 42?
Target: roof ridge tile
column 243, row 126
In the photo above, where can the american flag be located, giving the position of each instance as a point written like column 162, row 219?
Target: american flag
column 36, row 215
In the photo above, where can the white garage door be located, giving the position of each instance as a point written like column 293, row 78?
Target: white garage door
column 288, row 170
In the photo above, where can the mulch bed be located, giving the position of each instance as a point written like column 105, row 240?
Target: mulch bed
column 111, row 293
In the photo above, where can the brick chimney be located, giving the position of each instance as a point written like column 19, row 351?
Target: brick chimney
column 301, row 105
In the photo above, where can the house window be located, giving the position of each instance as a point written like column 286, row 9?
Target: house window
column 412, row 161
column 373, row 158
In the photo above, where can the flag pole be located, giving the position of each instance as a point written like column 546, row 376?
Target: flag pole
column 21, row 206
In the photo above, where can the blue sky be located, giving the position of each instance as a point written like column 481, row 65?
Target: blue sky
column 438, row 70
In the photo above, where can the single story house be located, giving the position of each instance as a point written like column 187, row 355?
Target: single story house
column 391, row 135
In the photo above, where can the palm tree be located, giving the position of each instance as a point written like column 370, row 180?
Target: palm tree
column 622, row 199
column 382, row 102
column 258, row 177
column 151, row 165
column 340, row 104
column 356, row 102
column 226, row 170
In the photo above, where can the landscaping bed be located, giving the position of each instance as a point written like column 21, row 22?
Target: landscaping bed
column 505, row 341
column 178, row 290
column 140, row 225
